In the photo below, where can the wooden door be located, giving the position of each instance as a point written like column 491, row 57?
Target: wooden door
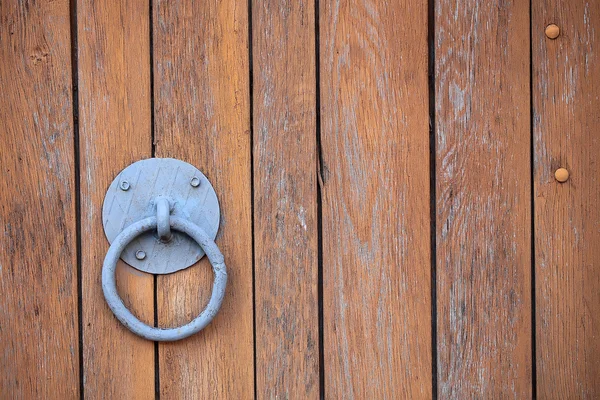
column 408, row 194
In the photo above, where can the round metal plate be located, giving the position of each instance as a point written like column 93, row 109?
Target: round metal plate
column 130, row 198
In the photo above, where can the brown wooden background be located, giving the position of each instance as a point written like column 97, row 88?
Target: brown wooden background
column 391, row 222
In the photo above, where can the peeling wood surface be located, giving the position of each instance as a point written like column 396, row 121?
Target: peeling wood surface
column 375, row 174
column 285, row 200
column 202, row 116
column 39, row 350
column 483, row 199
column 566, row 86
column 114, row 131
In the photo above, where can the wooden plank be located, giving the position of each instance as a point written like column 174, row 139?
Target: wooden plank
column 375, row 177
column 39, row 352
column 285, row 199
column 483, row 199
column 115, row 131
column 202, row 116
column 567, row 218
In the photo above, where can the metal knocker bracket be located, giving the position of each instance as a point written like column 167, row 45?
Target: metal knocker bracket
column 161, row 215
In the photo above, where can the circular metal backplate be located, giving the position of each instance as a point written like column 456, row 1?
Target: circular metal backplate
column 131, row 196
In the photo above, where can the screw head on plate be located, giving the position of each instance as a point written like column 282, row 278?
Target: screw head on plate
column 195, row 182
column 140, row 254
column 124, row 186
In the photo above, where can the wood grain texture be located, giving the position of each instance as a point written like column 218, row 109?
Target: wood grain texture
column 375, row 177
column 115, row 131
column 483, row 199
column 202, row 116
column 285, row 200
column 567, row 218
column 39, row 352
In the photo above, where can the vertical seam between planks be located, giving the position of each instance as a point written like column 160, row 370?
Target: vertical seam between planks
column 319, row 204
column 432, row 193
column 77, row 183
column 153, row 154
column 532, row 184
column 151, row 41
column 251, row 113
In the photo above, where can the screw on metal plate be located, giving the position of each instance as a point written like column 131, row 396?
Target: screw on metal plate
column 162, row 225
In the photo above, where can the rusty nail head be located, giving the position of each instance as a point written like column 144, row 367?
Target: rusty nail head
column 552, row 31
column 561, row 175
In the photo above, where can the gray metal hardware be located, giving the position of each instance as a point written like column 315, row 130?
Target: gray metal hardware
column 160, row 216
column 134, row 195
column 163, row 212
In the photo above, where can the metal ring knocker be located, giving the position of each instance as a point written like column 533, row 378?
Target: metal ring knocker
column 138, row 234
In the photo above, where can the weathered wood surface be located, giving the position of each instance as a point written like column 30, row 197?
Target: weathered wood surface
column 202, row 116
column 566, row 105
column 483, row 199
column 114, row 131
column 375, row 177
column 39, row 351
column 371, row 161
column 285, row 200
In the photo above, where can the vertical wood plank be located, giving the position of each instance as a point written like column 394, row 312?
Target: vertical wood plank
column 115, row 131
column 483, row 199
column 285, row 200
column 39, row 352
column 567, row 217
column 202, row 116
column 375, row 177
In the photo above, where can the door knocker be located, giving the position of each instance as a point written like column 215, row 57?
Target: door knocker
column 161, row 215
